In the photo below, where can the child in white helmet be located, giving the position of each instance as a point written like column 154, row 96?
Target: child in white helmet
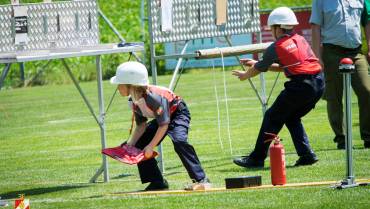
column 170, row 117
column 291, row 54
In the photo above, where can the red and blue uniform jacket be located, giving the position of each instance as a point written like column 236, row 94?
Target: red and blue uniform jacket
column 293, row 54
column 161, row 102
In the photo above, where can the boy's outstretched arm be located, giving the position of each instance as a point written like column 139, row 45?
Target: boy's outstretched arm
column 243, row 75
column 275, row 68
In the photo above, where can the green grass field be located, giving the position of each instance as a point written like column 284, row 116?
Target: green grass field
column 50, row 148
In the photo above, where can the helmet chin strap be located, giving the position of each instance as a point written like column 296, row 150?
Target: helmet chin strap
column 274, row 32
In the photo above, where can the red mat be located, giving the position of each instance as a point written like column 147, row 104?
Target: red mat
column 127, row 154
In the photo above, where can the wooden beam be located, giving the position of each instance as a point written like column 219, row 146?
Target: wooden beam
column 223, row 189
column 232, row 51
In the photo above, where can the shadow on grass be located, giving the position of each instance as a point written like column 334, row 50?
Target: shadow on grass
column 93, row 197
column 172, row 173
column 203, row 162
column 335, row 149
column 224, row 161
column 318, row 150
column 127, row 192
column 220, row 164
column 38, row 191
column 257, row 169
column 358, row 147
column 238, row 168
column 124, row 175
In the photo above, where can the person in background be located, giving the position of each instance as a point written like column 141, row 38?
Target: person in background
column 336, row 34
column 170, row 117
column 366, row 24
column 291, row 54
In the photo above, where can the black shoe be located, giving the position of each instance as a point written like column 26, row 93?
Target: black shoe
column 306, row 160
column 157, row 185
column 340, row 140
column 341, row 145
column 248, row 162
column 367, row 144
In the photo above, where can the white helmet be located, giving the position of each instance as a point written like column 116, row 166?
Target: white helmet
column 133, row 73
column 282, row 16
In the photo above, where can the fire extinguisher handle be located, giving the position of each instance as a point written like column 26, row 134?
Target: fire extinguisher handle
column 272, row 137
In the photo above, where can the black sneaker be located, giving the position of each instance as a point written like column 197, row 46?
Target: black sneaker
column 306, row 160
column 367, row 144
column 340, row 140
column 248, row 162
column 341, row 145
column 157, row 185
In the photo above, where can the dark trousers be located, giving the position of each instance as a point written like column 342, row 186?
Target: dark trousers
column 360, row 82
column 178, row 132
column 300, row 95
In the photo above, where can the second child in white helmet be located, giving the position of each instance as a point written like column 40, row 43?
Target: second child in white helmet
column 291, row 54
column 169, row 116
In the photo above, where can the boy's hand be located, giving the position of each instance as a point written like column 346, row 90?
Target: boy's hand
column 248, row 62
column 242, row 75
column 148, row 151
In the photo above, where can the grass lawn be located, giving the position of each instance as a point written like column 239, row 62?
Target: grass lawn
column 50, row 148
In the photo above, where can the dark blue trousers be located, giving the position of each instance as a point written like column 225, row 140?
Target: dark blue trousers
column 178, row 132
column 299, row 97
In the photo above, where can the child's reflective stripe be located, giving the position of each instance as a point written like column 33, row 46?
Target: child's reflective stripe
column 296, row 56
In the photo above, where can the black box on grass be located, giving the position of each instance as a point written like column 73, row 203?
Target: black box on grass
column 243, row 181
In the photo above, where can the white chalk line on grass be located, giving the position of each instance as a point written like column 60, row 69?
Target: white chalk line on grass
column 44, row 101
column 71, row 120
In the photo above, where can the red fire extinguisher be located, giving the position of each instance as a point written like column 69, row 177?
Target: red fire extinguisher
column 277, row 159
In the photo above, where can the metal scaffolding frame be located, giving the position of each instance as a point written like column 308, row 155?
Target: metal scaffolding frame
column 243, row 17
column 73, row 18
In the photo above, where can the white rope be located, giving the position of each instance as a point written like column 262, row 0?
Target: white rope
column 217, row 105
column 226, row 101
